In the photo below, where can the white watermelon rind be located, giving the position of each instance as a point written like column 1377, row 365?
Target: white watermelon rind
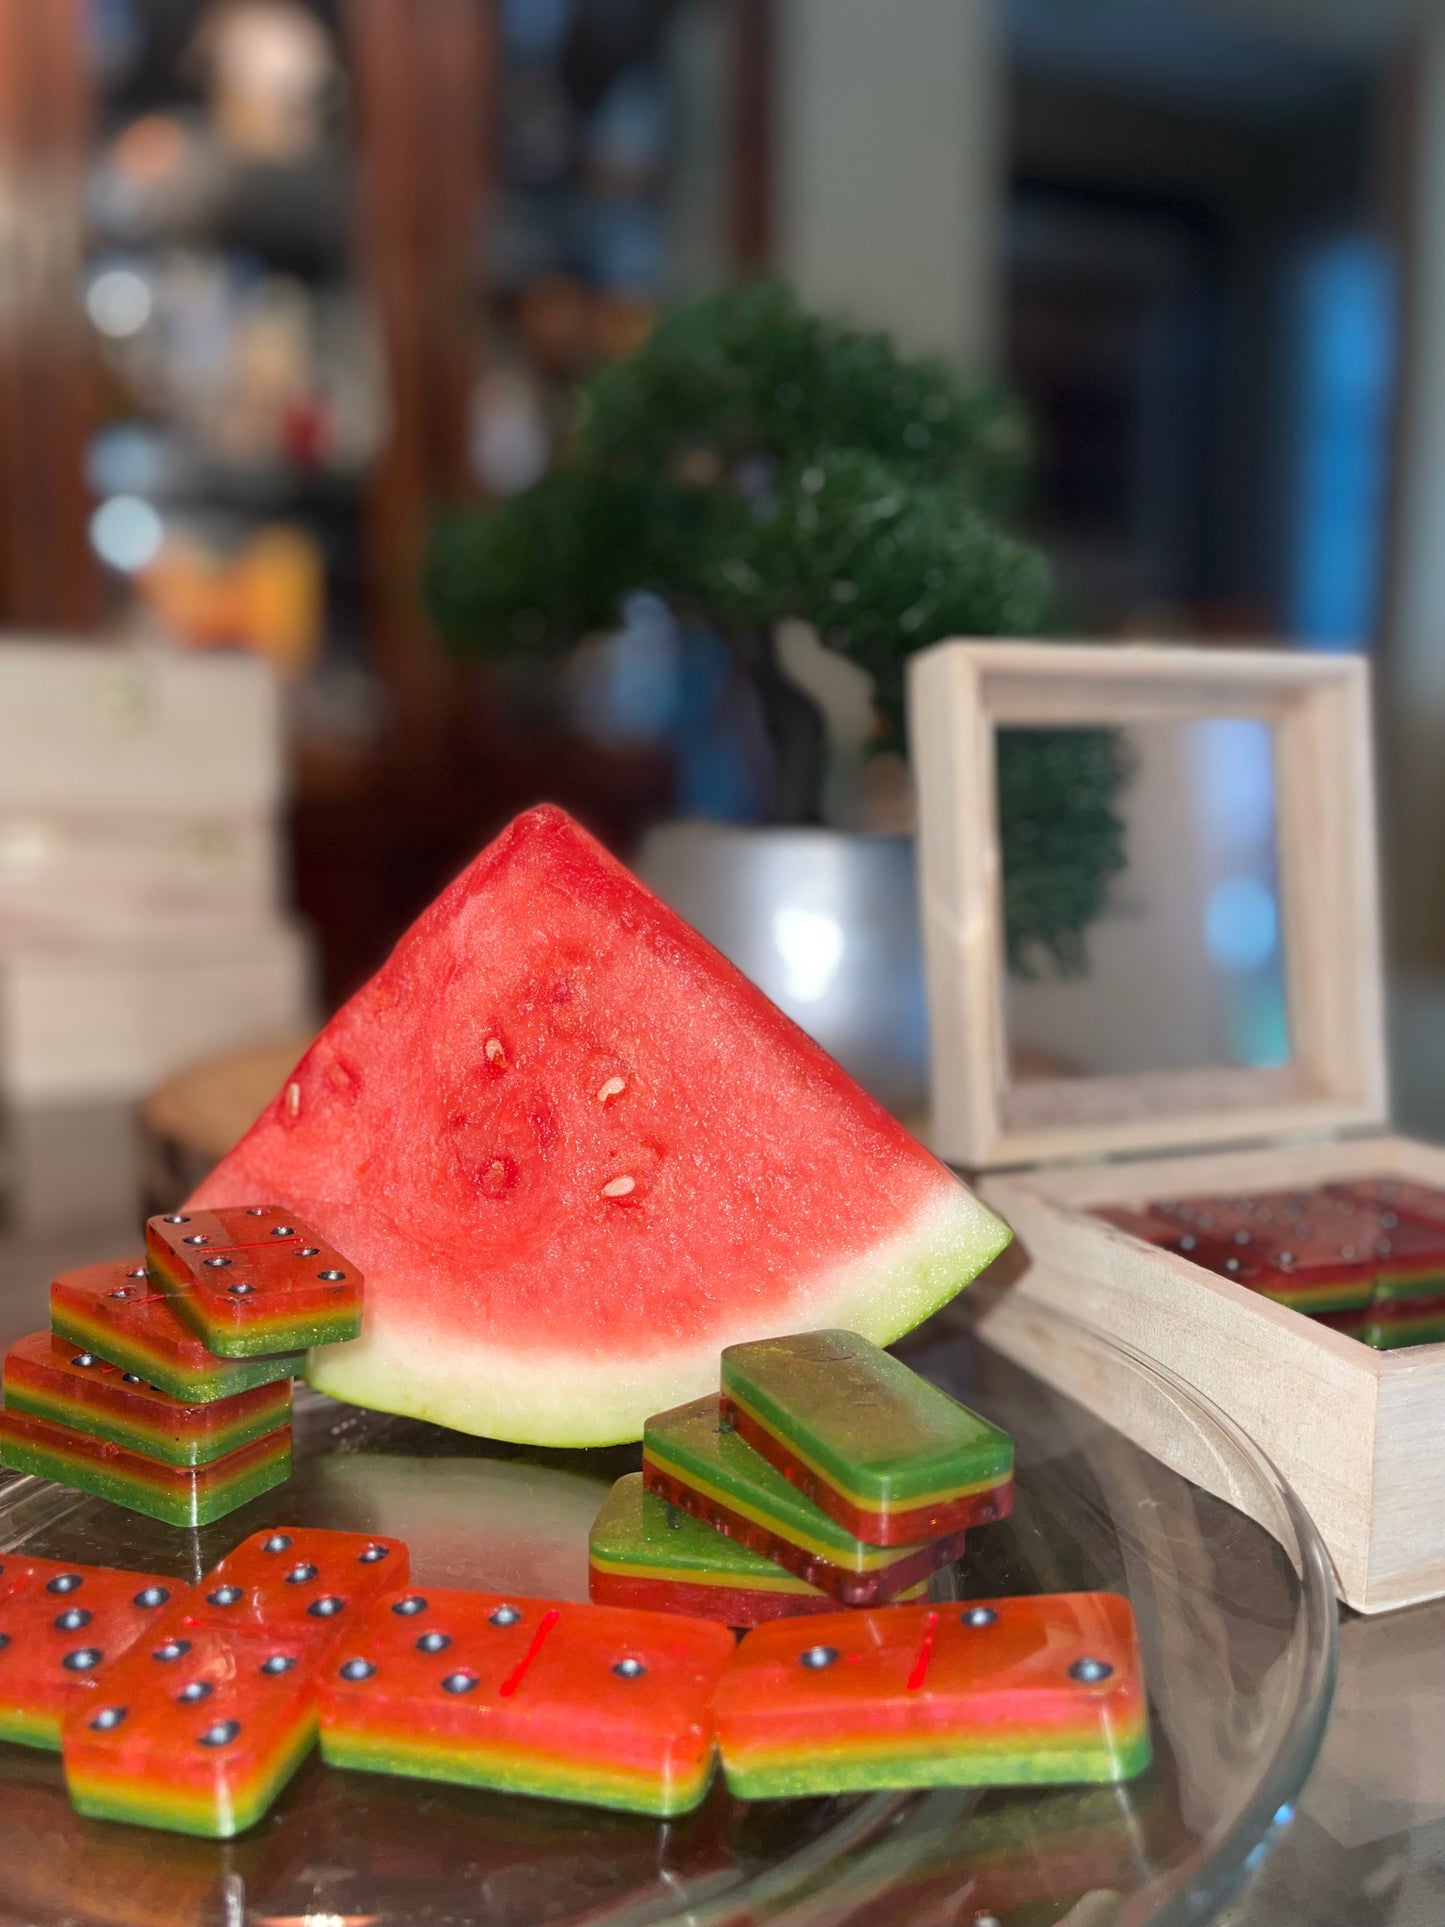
column 550, row 1396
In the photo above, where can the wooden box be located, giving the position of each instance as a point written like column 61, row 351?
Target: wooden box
column 1359, row 1434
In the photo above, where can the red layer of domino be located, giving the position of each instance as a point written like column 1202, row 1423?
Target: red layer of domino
column 849, row 1588
column 61, row 1629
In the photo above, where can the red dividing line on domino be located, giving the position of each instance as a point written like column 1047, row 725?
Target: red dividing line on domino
column 925, row 1653
column 514, row 1679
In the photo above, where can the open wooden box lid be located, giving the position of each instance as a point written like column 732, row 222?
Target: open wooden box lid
column 1317, row 708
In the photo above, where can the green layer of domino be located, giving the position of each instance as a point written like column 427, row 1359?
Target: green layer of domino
column 408, row 1757
column 639, row 1535
column 866, row 1769
column 874, row 1430
column 690, row 1443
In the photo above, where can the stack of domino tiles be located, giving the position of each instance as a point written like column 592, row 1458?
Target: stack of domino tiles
column 826, row 1473
column 165, row 1386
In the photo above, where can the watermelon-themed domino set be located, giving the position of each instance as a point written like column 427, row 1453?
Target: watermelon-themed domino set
column 189, row 1708
column 166, row 1386
column 1365, row 1257
column 824, row 1459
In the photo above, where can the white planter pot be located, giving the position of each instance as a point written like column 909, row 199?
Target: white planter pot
column 825, row 924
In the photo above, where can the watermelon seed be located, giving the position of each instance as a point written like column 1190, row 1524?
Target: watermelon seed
column 84, row 1659
column 225, row 1596
column 4, row 1641
column 173, row 1649
column 139, row 1272
column 278, row 1542
column 357, row 1669
column 1089, row 1672
column 86, row 1359
column 309, row 1251
column 278, row 1663
column 978, row 1616
column 65, row 1582
column 255, row 1210
column 122, row 1292
column 293, row 1100
column 72, row 1620
column 301, row 1575
column 326, row 1608
column 459, row 1682
column 152, row 1596
column 108, row 1719
column 505, row 1616
column 817, row 1657
column 218, row 1264
column 629, row 1669
column 196, row 1238
column 409, row 1607
column 283, row 1231
column 373, row 1555
column 614, row 1087
column 619, row 1187
column 240, row 1289
column 131, row 1378
column 176, row 1217
column 221, row 1734
column 433, row 1642
column 331, row 1277
column 494, row 1052
column 193, row 1690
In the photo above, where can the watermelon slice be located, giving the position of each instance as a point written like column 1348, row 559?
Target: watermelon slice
column 576, row 1154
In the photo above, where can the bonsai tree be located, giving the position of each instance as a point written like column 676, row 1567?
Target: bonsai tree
column 752, row 461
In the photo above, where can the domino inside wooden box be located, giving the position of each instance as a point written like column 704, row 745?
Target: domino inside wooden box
column 1208, row 1069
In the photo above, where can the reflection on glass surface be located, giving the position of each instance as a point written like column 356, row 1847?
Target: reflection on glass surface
column 1184, row 967
column 1236, row 1619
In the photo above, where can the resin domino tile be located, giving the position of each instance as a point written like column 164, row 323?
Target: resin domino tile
column 252, row 1279
column 302, row 1579
column 114, row 1312
column 696, row 1462
column 61, row 1630
column 568, row 1702
column 177, row 1495
column 1008, row 1692
column 645, row 1553
column 197, row 1729
column 45, row 1377
column 889, row 1457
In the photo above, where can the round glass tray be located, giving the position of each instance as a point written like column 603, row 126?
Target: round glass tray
column 1237, row 1623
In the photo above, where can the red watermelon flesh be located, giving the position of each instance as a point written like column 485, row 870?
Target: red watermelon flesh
column 576, row 1154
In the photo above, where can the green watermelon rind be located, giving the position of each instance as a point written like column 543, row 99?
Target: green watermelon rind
column 547, row 1398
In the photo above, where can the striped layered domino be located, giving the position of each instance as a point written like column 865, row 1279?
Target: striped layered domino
column 114, row 1312
column 197, row 1729
column 694, row 1461
column 251, row 1280
column 568, row 1702
column 175, row 1494
column 61, row 1630
column 888, row 1456
column 47, row 1378
column 648, row 1554
column 1011, row 1692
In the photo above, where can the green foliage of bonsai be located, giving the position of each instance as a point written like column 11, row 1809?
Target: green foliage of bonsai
column 753, row 461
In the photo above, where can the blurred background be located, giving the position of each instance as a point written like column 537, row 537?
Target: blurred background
column 286, row 284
